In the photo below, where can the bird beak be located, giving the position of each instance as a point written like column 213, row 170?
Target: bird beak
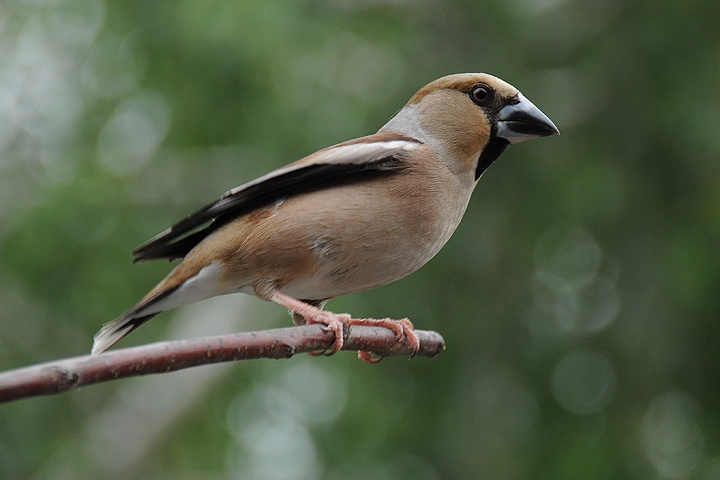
column 523, row 121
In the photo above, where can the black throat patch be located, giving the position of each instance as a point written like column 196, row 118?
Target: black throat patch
column 495, row 147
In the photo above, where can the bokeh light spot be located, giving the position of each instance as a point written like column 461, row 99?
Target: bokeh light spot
column 674, row 441
column 584, row 382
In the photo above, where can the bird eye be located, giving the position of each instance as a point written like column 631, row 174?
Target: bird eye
column 481, row 94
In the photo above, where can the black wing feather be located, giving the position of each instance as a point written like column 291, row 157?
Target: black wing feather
column 184, row 235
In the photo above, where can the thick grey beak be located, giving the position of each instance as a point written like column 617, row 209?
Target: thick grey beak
column 523, row 121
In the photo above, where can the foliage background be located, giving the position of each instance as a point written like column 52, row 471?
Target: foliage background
column 579, row 297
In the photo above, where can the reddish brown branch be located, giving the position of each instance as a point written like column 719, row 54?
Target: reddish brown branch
column 71, row 373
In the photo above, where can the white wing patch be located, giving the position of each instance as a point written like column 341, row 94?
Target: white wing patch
column 359, row 152
column 353, row 153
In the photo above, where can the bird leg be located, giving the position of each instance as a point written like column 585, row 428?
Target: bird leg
column 312, row 314
column 337, row 322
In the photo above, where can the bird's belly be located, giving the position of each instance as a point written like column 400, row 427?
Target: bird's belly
column 345, row 267
column 338, row 280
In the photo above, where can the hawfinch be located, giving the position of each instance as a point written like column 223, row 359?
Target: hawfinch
column 350, row 217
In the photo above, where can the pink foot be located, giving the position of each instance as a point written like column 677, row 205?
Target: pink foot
column 402, row 328
column 334, row 322
column 337, row 322
column 312, row 315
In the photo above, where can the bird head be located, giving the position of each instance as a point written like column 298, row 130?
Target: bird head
column 471, row 118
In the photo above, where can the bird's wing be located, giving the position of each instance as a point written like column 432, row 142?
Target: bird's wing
column 350, row 161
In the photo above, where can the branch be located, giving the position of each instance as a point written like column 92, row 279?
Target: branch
column 71, row 373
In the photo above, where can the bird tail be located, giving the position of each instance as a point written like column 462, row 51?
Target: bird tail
column 115, row 330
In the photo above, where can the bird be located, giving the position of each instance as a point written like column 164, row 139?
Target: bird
column 347, row 218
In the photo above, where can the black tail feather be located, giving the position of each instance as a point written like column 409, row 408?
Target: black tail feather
column 114, row 331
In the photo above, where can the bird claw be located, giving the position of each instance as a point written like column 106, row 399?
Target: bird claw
column 407, row 329
column 368, row 357
column 337, row 323
column 401, row 328
column 338, row 327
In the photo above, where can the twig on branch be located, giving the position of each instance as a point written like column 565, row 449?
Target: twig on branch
column 71, row 373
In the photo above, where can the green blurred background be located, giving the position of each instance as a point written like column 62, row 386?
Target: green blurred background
column 579, row 298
